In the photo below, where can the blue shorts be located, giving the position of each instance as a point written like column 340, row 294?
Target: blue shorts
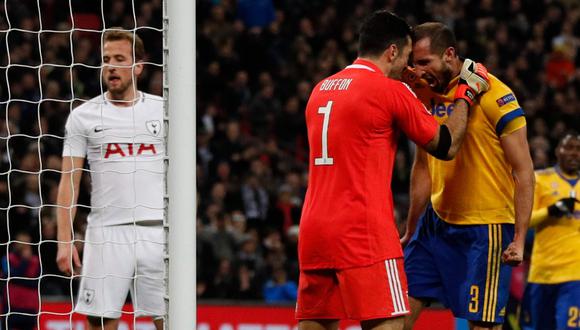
column 460, row 266
column 551, row 306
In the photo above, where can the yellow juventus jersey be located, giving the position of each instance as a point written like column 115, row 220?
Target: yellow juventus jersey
column 556, row 252
column 477, row 186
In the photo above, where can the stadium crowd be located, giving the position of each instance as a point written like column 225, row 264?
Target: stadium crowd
column 257, row 62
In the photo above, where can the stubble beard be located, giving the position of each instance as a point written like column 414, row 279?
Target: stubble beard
column 118, row 93
column 446, row 76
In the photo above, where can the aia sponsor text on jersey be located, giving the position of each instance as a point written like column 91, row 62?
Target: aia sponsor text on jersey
column 119, row 150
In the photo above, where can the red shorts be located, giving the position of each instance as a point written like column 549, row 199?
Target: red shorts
column 364, row 293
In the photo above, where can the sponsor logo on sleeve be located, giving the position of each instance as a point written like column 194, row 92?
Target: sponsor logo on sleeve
column 505, row 99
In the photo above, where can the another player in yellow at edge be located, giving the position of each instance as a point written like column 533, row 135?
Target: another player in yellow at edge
column 552, row 297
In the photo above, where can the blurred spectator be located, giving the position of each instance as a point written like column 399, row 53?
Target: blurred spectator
column 256, row 13
column 256, row 202
column 559, row 67
column 287, row 210
column 250, row 255
column 223, row 283
column 206, row 260
column 20, row 294
column 247, row 284
column 230, row 147
column 238, row 226
column 291, row 125
column 50, row 284
column 292, row 252
column 238, row 92
column 279, row 289
column 223, row 241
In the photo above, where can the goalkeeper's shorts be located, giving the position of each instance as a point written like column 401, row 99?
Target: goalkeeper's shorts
column 460, row 266
column 362, row 293
column 119, row 260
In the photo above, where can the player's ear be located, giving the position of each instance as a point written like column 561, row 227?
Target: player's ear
column 391, row 52
column 138, row 69
column 449, row 54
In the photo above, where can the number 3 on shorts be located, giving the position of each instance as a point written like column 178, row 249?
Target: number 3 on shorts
column 325, row 160
column 474, row 302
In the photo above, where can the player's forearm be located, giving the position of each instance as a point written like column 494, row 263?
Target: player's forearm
column 64, row 220
column 457, row 124
column 523, row 201
column 66, row 210
column 451, row 133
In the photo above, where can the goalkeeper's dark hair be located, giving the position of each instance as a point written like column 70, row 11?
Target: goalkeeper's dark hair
column 118, row 33
column 440, row 35
column 381, row 29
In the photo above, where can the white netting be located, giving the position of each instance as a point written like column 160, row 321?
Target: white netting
column 50, row 63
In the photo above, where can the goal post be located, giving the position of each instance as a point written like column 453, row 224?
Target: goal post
column 179, row 90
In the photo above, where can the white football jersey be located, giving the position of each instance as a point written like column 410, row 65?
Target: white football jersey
column 125, row 148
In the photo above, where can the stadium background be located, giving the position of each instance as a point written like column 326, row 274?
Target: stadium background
column 257, row 61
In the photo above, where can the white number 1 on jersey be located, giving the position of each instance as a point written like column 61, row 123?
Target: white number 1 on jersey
column 325, row 160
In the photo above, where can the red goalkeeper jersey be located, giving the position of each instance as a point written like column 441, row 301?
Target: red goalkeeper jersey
column 353, row 120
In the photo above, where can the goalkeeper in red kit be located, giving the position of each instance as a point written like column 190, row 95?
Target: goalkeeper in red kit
column 351, row 261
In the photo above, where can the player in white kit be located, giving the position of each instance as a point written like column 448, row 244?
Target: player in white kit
column 121, row 135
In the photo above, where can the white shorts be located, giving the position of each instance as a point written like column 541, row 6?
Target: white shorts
column 118, row 260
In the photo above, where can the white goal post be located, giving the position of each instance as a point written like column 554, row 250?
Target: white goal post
column 179, row 59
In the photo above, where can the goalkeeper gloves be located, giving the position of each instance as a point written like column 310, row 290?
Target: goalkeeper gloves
column 473, row 80
column 564, row 206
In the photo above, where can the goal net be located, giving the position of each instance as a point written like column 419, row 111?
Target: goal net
column 51, row 64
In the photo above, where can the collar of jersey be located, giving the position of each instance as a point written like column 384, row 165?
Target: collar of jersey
column 137, row 100
column 364, row 65
column 570, row 179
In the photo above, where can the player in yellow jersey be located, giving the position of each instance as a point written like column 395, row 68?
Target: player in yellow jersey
column 552, row 297
column 460, row 229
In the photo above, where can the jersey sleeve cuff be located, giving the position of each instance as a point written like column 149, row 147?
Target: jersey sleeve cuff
column 71, row 152
column 506, row 119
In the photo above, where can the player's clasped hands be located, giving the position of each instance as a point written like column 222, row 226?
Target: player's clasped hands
column 67, row 259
